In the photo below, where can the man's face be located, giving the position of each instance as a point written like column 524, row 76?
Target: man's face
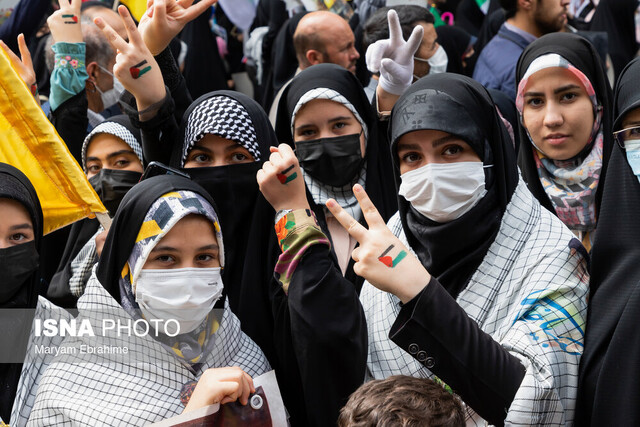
column 340, row 48
column 427, row 49
column 550, row 15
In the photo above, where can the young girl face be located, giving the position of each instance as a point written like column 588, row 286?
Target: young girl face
column 106, row 151
column 213, row 150
column 16, row 226
column 558, row 113
column 323, row 118
column 422, row 147
column 191, row 243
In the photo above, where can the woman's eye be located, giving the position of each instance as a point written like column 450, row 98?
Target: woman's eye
column 200, row 158
column 206, row 258
column 93, row 168
column 123, row 163
column 569, row 96
column 635, row 131
column 164, row 258
column 239, row 157
column 452, row 150
column 534, row 102
column 339, row 125
column 18, row 237
column 410, row 157
column 307, row 132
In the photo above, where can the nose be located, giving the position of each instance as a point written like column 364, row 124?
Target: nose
column 552, row 115
column 355, row 54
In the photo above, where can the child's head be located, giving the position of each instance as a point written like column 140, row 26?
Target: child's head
column 401, row 401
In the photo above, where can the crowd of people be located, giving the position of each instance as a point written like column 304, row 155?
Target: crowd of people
column 415, row 214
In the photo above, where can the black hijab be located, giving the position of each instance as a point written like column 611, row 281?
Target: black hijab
column 379, row 181
column 609, row 391
column 452, row 251
column 15, row 185
column 246, row 218
column 616, row 18
column 82, row 231
column 455, row 41
column 581, row 54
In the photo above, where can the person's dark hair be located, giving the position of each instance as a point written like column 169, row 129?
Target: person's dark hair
column 377, row 28
column 402, row 401
column 510, row 7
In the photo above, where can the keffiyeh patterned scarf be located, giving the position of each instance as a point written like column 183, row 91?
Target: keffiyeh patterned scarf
column 161, row 217
column 570, row 184
column 224, row 117
column 322, row 192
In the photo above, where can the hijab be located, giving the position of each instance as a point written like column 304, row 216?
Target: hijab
column 80, row 245
column 330, row 81
column 456, row 43
column 569, row 188
column 608, row 389
column 15, row 185
column 452, row 251
column 616, row 19
column 245, row 215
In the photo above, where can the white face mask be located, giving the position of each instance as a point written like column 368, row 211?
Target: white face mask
column 111, row 96
column 186, row 295
column 438, row 61
column 444, row 191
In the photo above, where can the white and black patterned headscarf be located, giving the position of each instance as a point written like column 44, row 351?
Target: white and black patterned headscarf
column 119, row 126
column 222, row 116
column 320, row 191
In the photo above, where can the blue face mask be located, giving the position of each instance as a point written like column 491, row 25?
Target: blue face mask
column 633, row 156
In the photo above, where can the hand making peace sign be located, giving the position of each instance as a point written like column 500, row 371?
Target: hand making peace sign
column 64, row 23
column 381, row 258
column 393, row 57
column 135, row 66
column 164, row 19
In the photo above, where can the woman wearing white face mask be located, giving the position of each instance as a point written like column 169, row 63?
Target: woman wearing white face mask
column 472, row 282
column 161, row 264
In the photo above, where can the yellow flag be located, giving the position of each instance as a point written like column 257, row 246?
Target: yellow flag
column 29, row 142
column 137, row 7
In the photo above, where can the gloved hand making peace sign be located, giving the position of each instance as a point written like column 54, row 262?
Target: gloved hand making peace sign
column 393, row 57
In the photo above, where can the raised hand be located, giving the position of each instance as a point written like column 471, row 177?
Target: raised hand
column 381, row 258
column 281, row 181
column 393, row 57
column 221, row 385
column 164, row 19
column 23, row 65
column 64, row 23
column 135, row 66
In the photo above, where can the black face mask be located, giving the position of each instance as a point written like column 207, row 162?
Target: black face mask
column 111, row 186
column 333, row 161
column 17, row 264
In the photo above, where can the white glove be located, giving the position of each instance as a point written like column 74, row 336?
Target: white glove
column 393, row 57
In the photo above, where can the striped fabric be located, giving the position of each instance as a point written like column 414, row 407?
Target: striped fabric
column 529, row 294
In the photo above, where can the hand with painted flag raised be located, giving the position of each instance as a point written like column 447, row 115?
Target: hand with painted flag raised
column 135, row 66
column 164, row 19
column 381, row 258
column 393, row 57
column 64, row 23
column 280, row 180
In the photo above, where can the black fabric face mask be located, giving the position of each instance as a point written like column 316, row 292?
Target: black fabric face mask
column 333, row 161
column 111, row 186
column 17, row 264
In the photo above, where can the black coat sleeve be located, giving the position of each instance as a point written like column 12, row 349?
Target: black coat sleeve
column 436, row 331
column 321, row 337
column 71, row 121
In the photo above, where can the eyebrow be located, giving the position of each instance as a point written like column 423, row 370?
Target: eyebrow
column 119, row 153
column 445, row 139
column 24, row 226
column 630, row 124
column 165, row 248
column 201, row 148
column 556, row 91
column 335, row 119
